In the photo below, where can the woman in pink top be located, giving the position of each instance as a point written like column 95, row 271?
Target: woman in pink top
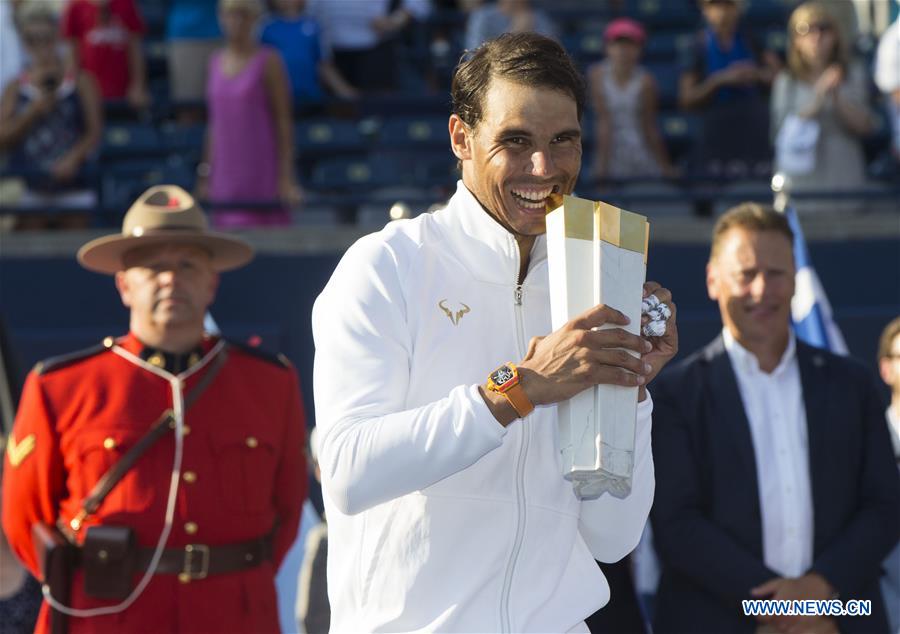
column 249, row 155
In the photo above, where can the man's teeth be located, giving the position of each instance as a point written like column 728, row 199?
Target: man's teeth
column 533, row 195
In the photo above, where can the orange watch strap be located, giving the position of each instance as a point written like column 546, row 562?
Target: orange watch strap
column 519, row 400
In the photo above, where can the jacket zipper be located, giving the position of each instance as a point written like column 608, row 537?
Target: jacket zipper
column 505, row 617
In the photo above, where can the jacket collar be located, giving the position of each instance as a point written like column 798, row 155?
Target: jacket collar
column 484, row 246
column 170, row 362
column 728, row 408
column 747, row 362
column 815, row 377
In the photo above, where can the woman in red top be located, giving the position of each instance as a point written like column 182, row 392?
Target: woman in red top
column 106, row 41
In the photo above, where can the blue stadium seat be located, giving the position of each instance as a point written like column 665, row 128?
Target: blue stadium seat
column 767, row 13
column 585, row 46
column 436, row 169
column 666, row 75
column 154, row 13
column 415, row 132
column 678, row 130
column 588, row 122
column 122, row 182
column 328, row 135
column 775, row 40
column 156, row 56
column 183, row 138
column 180, row 172
column 879, row 140
column 159, row 92
column 669, row 46
column 386, row 168
column 654, row 199
column 354, row 173
column 667, row 14
column 133, row 139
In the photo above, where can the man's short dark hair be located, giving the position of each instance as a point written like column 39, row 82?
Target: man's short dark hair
column 525, row 58
column 751, row 217
column 887, row 338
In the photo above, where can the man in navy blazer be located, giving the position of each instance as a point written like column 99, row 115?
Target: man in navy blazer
column 774, row 471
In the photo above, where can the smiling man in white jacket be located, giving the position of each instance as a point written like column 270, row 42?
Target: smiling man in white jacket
column 446, row 506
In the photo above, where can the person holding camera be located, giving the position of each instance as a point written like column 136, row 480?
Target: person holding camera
column 51, row 120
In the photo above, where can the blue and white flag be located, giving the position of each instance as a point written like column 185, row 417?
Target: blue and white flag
column 810, row 310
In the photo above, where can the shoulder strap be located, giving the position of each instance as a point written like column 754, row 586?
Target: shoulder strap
column 163, row 424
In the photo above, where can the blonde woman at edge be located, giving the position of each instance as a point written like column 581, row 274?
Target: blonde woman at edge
column 823, row 83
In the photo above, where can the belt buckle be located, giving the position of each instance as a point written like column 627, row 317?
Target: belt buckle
column 190, row 556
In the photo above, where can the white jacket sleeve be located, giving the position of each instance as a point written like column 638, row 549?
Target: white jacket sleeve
column 611, row 527
column 371, row 448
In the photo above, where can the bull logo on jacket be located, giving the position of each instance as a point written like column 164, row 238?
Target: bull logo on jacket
column 453, row 316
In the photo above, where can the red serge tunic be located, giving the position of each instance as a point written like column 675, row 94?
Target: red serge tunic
column 243, row 472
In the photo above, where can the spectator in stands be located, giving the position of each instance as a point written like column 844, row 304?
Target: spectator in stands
column 725, row 82
column 625, row 99
column 506, row 16
column 887, row 77
column 12, row 56
column 306, row 53
column 774, row 473
column 889, row 367
column 192, row 34
column 364, row 37
column 249, row 150
column 819, row 109
column 105, row 39
column 50, row 122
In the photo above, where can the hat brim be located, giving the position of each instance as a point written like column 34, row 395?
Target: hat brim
column 105, row 254
column 625, row 34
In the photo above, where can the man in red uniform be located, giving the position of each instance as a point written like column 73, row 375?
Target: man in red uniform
column 219, row 503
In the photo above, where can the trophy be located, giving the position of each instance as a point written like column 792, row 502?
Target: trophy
column 597, row 254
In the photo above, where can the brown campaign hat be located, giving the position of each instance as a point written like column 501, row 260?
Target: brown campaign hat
column 164, row 214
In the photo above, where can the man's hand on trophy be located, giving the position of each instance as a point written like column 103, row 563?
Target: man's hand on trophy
column 659, row 327
column 580, row 355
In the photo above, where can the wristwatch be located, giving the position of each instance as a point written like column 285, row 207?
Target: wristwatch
column 506, row 381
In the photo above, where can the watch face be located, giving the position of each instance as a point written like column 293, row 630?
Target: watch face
column 502, row 375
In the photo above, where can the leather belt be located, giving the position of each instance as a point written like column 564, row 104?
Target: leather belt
column 196, row 561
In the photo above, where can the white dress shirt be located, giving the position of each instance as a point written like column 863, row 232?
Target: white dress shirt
column 776, row 414
column 894, row 427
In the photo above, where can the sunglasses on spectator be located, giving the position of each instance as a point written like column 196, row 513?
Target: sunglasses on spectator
column 722, row 2
column 816, row 27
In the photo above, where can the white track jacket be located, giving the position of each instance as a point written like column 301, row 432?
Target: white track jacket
column 439, row 518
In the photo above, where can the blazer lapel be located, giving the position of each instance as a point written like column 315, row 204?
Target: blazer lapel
column 728, row 407
column 814, row 381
